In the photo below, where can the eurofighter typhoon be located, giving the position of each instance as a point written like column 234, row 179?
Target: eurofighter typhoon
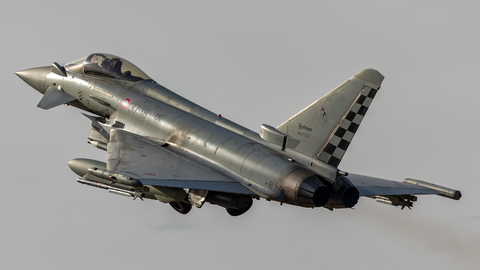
column 164, row 147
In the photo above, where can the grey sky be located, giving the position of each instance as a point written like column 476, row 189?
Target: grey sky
column 254, row 62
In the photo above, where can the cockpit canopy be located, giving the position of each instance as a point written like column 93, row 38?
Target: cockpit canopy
column 107, row 65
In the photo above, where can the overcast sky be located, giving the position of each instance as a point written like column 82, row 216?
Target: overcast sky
column 254, row 62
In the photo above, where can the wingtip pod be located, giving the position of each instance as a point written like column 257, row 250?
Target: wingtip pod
column 371, row 76
column 443, row 191
column 80, row 166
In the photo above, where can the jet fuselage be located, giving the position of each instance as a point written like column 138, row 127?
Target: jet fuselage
column 162, row 146
column 150, row 110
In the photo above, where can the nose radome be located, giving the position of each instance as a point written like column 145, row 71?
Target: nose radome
column 35, row 77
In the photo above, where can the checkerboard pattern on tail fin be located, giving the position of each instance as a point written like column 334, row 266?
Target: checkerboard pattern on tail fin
column 334, row 150
column 326, row 128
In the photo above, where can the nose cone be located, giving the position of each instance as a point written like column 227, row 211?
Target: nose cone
column 35, row 77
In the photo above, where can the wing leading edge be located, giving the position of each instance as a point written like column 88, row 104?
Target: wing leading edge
column 159, row 164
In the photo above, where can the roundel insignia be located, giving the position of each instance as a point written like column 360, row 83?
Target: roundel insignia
column 125, row 103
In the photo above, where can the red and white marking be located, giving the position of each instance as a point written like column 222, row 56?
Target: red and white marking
column 125, row 103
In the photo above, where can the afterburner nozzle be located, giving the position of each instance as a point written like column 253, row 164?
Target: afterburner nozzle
column 35, row 77
column 346, row 196
column 304, row 188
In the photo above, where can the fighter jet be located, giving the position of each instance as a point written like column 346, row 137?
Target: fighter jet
column 164, row 147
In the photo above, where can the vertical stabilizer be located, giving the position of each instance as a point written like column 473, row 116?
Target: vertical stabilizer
column 326, row 127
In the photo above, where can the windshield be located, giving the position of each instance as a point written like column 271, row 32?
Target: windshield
column 107, row 65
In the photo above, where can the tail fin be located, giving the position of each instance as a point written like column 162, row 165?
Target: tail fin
column 326, row 127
